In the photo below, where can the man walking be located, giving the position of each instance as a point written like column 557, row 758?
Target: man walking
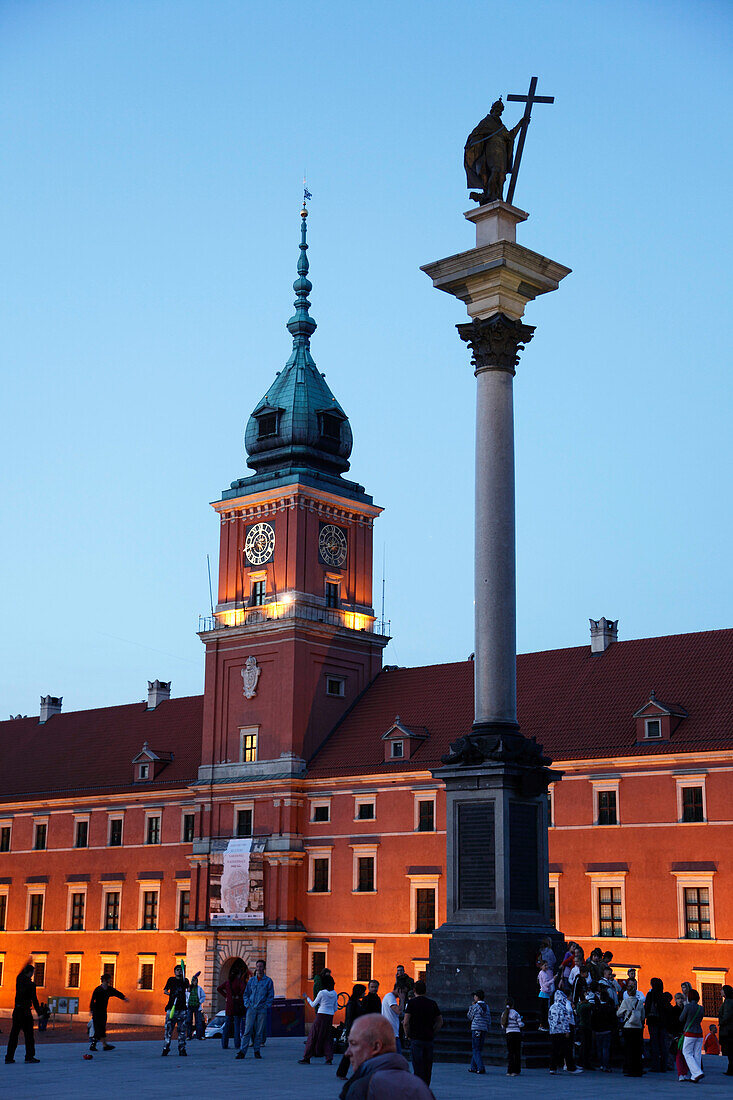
column 176, row 1015
column 98, row 1009
column 25, row 999
column 422, row 1023
column 258, row 996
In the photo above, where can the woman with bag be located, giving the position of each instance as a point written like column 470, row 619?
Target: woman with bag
column 353, row 1009
column 691, row 1022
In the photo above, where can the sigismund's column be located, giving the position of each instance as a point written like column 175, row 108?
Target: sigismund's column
column 496, row 779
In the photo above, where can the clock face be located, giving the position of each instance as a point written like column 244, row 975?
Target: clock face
column 332, row 545
column 259, row 544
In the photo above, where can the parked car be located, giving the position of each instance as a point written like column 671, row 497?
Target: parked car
column 215, row 1026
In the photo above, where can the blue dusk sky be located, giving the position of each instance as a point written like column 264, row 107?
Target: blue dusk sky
column 152, row 159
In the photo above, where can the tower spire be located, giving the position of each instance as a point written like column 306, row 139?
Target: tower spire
column 301, row 324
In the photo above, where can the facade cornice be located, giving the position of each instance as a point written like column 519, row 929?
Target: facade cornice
column 297, row 495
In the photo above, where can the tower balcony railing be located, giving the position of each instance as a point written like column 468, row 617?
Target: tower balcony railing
column 283, row 609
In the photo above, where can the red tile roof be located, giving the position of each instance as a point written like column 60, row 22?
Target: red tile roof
column 577, row 704
column 91, row 751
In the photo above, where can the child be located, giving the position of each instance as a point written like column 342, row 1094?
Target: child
column 512, row 1023
column 711, row 1044
column 547, row 988
column 480, row 1019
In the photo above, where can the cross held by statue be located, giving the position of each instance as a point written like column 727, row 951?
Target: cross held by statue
column 529, row 100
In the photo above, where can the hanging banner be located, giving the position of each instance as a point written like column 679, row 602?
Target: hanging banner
column 237, row 883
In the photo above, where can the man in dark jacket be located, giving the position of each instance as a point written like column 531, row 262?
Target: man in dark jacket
column 176, row 1015
column 380, row 1073
column 25, row 1000
column 98, row 1009
column 372, row 1002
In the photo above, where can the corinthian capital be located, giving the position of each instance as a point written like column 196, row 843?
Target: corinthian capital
column 495, row 342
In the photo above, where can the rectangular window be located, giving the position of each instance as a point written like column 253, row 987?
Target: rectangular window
column 710, row 997
column 150, row 910
column 152, row 833
column 259, row 591
column 697, row 913
column 266, row 425
column 426, row 816
column 2, row 967
column 692, row 808
column 335, row 686
column 35, row 913
column 249, row 748
column 184, row 904
column 610, row 917
column 39, row 839
column 81, row 838
column 5, row 838
column 108, row 970
column 365, row 811
column 332, row 594
column 112, row 911
column 188, row 827
column 365, row 874
column 321, row 811
column 143, row 771
column 3, row 911
column 425, row 906
column 318, row 963
column 115, row 832
column 363, row 966
column 74, row 976
column 146, row 975
column 553, row 910
column 76, row 923
column 320, row 875
column 607, row 808
column 244, row 823
column 653, row 728
column 40, row 975
column 398, row 750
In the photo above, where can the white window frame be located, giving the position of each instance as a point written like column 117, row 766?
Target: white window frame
column 118, row 816
column 143, row 770
column 554, row 884
column 324, row 852
column 40, row 821
column 394, row 742
column 182, row 887
column 425, row 796
column 247, row 731
column 683, row 781
column 313, row 803
column 79, row 819
column 365, row 800
column 106, row 958
column 363, row 949
column 5, row 893
column 551, row 793
column 146, row 960
column 613, row 879
column 148, row 815
column 110, row 888
column 605, row 785
column 341, row 681
column 73, row 957
column 314, row 947
column 715, row 976
column 152, row 886
column 41, row 956
column 76, row 888
column 2, row 969
column 186, row 811
column 419, row 966
column 658, row 720
column 361, row 851
column 423, row 882
column 236, row 807
column 7, row 823
column 31, row 889
column 690, row 880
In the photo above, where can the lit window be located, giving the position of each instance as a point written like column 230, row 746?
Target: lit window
column 244, row 822
column 607, row 808
column 610, row 914
column 249, row 748
column 150, row 910
column 76, row 923
column 652, row 728
column 334, row 686
column 697, row 913
column 81, row 839
column 398, row 750
column 188, row 827
column 115, row 832
column 152, row 833
column 259, row 591
column 39, row 839
column 112, row 911
column 426, row 816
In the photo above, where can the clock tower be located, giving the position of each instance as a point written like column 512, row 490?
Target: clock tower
column 293, row 639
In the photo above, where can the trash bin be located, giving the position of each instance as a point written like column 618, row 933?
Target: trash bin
column 286, row 1017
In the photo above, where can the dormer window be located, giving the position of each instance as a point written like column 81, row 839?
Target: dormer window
column 657, row 721
column 401, row 742
column 398, row 750
column 143, row 771
column 330, row 427
column 652, row 728
column 267, row 425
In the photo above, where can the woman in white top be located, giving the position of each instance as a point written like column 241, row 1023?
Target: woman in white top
column 320, row 1038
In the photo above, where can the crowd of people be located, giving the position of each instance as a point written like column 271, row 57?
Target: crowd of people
column 588, row 1013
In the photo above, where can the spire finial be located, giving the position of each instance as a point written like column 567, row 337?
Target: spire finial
column 301, row 324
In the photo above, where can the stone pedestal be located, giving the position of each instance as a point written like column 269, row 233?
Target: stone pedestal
column 496, row 779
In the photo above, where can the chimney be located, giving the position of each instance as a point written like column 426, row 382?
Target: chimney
column 50, row 705
column 602, row 632
column 158, row 692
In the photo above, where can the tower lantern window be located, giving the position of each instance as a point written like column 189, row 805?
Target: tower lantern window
column 267, row 425
column 330, row 427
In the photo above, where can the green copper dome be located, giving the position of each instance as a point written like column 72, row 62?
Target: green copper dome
column 299, row 425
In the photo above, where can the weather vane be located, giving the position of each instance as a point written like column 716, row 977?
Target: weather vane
column 489, row 152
